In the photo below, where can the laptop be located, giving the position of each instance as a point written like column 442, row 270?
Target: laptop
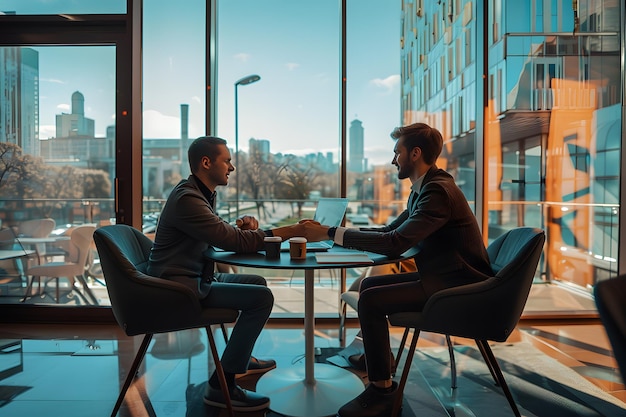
column 329, row 212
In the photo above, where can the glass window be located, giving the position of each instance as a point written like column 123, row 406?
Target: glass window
column 57, row 106
column 278, row 96
column 45, row 7
column 373, row 111
column 292, row 110
column 558, row 97
column 174, row 100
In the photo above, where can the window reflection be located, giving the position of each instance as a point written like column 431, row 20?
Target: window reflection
column 561, row 95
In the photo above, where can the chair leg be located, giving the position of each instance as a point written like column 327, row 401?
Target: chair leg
column 220, row 372
column 452, row 362
column 493, row 364
column 29, row 287
column 489, row 365
column 397, row 405
column 402, row 343
column 224, row 332
column 342, row 324
column 132, row 371
column 89, row 295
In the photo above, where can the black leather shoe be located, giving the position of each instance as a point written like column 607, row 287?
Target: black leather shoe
column 258, row 366
column 371, row 403
column 242, row 400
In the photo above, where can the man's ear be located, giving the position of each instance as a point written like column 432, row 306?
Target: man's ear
column 205, row 162
column 416, row 153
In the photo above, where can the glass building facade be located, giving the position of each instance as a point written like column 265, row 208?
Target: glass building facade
column 98, row 104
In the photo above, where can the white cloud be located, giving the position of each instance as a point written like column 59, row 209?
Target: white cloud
column 243, row 57
column 51, row 80
column 64, row 107
column 196, row 99
column 47, row 131
column 158, row 125
column 292, row 65
column 388, row 83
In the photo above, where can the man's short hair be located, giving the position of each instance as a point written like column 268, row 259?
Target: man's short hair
column 420, row 135
column 203, row 146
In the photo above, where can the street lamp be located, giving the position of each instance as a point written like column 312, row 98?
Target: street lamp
column 244, row 81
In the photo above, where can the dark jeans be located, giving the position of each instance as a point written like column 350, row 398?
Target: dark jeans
column 380, row 296
column 250, row 295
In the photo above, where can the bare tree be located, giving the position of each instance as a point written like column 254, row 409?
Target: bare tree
column 297, row 181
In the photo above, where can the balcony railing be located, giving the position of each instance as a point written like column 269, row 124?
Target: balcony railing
column 581, row 246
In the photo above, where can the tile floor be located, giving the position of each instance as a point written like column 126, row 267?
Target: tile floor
column 75, row 370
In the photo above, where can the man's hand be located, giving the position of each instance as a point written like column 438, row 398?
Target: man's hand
column 297, row 229
column 313, row 231
column 247, row 223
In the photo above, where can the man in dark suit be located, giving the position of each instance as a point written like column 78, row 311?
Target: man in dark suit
column 188, row 226
column 440, row 224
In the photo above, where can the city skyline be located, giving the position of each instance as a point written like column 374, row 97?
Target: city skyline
column 294, row 49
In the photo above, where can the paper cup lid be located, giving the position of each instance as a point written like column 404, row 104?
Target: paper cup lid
column 273, row 239
column 298, row 239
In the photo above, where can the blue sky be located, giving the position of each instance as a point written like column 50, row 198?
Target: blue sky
column 292, row 45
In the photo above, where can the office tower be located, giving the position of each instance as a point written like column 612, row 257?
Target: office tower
column 356, row 161
column 259, row 148
column 76, row 141
column 19, row 98
column 75, row 124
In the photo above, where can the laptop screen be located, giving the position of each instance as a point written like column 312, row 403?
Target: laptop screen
column 330, row 211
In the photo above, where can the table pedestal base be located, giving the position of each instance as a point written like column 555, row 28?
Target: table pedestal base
column 291, row 395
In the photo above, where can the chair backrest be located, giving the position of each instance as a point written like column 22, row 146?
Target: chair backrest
column 514, row 258
column 490, row 310
column 36, row 227
column 610, row 295
column 506, row 251
column 141, row 303
column 7, row 238
column 80, row 244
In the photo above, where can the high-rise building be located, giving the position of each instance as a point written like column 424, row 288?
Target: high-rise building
column 260, row 148
column 76, row 144
column 356, row 159
column 19, row 98
column 75, row 124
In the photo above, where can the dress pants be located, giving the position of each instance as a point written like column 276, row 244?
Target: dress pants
column 380, row 296
column 250, row 295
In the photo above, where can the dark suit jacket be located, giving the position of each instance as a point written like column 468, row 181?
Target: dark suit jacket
column 441, row 225
column 187, row 227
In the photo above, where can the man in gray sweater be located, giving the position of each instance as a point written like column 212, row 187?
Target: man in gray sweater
column 188, row 226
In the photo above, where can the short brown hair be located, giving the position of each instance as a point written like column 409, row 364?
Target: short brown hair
column 203, row 146
column 420, row 135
